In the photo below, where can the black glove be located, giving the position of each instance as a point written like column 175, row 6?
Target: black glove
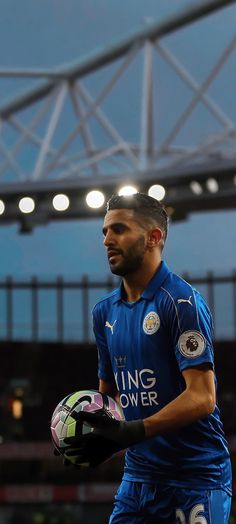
column 108, row 436
column 57, row 453
column 122, row 433
column 89, row 451
column 81, row 452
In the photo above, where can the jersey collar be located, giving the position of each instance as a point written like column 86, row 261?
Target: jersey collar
column 156, row 282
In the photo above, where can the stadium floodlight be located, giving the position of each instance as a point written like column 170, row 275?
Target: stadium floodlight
column 61, row 202
column 95, row 199
column 26, row 205
column 157, row 191
column 212, row 185
column 2, row 207
column 127, row 190
column 196, row 187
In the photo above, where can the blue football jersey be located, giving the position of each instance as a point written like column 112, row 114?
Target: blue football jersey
column 145, row 346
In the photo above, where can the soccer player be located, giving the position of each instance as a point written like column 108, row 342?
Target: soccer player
column 154, row 339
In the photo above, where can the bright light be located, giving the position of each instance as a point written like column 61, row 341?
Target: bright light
column 17, row 408
column 196, row 187
column 2, row 207
column 60, row 202
column 158, row 192
column 212, row 185
column 127, row 190
column 95, row 199
column 26, row 205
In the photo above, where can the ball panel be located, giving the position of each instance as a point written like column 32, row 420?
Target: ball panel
column 72, row 399
column 65, row 419
column 71, row 429
column 55, row 437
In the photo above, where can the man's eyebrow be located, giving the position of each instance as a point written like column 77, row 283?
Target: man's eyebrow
column 114, row 226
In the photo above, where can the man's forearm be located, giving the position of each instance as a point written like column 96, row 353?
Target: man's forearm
column 182, row 411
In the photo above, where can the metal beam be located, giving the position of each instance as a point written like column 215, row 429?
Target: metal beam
column 176, row 176
column 106, row 56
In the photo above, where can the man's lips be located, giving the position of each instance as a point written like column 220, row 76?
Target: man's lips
column 112, row 254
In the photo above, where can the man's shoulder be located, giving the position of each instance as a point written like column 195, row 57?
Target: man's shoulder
column 177, row 289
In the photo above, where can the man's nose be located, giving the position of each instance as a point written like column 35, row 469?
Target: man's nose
column 109, row 239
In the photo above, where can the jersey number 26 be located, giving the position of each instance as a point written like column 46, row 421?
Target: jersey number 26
column 194, row 517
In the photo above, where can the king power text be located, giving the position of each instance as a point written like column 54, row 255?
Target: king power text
column 136, row 388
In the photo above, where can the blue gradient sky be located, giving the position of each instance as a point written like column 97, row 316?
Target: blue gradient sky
column 54, row 32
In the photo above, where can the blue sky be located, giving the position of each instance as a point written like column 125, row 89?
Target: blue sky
column 204, row 242
column 51, row 33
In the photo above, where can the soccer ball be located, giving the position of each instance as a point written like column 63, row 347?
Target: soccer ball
column 65, row 421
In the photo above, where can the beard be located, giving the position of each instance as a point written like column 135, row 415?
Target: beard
column 131, row 261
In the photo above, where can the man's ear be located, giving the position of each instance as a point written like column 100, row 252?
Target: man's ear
column 155, row 237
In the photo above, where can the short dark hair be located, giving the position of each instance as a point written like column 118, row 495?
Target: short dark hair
column 144, row 205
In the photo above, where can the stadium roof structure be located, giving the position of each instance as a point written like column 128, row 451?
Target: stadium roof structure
column 130, row 113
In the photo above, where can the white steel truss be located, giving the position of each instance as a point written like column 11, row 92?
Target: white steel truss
column 77, row 125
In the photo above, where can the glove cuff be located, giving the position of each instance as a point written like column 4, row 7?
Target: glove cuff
column 135, row 432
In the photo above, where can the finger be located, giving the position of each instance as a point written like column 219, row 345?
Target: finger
column 74, row 452
column 87, row 416
column 66, row 462
column 78, row 460
column 95, row 419
column 73, row 441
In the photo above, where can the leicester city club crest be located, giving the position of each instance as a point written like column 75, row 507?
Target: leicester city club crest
column 151, row 323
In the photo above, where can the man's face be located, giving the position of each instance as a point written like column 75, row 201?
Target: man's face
column 124, row 240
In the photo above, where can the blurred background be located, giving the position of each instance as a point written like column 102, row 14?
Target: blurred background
column 98, row 97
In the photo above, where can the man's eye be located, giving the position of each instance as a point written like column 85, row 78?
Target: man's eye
column 119, row 229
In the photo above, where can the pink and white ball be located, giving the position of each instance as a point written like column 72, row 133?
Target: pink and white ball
column 65, row 418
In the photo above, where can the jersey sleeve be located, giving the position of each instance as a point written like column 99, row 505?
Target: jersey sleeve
column 191, row 330
column 105, row 371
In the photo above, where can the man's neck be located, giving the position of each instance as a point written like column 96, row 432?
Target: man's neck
column 135, row 283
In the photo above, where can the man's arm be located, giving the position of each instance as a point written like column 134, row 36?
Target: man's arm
column 195, row 402
column 109, row 388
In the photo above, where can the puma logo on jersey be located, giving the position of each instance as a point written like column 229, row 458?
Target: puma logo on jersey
column 111, row 326
column 188, row 300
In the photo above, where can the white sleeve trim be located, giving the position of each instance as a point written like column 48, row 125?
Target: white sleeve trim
column 176, row 310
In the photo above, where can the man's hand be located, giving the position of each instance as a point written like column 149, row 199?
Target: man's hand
column 91, row 451
column 122, row 433
column 107, row 436
column 57, row 453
